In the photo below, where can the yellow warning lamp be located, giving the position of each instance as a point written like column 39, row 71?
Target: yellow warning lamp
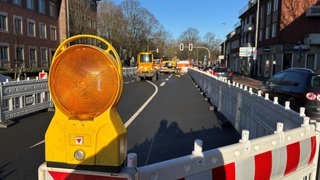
column 86, row 131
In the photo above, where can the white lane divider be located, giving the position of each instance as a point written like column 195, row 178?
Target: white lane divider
column 163, row 83
column 133, row 117
column 37, row 144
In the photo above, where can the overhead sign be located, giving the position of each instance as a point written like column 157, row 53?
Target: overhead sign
column 245, row 51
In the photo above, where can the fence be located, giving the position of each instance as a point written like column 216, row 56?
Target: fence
column 18, row 98
column 283, row 155
column 243, row 108
column 128, row 72
column 272, row 154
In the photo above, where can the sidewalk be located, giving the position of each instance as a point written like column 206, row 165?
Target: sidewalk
column 255, row 83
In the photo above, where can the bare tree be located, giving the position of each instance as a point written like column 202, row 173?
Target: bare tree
column 191, row 35
column 110, row 20
column 82, row 17
column 131, row 29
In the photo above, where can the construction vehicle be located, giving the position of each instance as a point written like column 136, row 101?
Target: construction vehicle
column 145, row 67
column 169, row 65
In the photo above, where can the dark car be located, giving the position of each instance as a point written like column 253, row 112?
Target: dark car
column 4, row 78
column 223, row 72
column 299, row 86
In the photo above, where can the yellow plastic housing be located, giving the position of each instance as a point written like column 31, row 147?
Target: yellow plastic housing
column 85, row 83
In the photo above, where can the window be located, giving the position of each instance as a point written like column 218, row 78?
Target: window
column 17, row 24
column 3, row 22
column 311, row 58
column 274, row 30
column 276, row 79
column 261, row 34
column 30, row 4
column 52, row 10
column 262, row 12
column 33, row 57
column 53, row 33
column 42, row 30
column 31, row 28
column 41, row 4
column 4, row 57
column 269, row 8
column 17, row 2
column 19, row 54
column 44, row 57
column 275, row 5
column 267, row 32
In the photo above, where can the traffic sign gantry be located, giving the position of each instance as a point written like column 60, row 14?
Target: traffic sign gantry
column 86, row 131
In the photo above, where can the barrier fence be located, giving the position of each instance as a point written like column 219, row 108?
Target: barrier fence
column 292, row 154
column 243, row 108
column 275, row 151
column 18, row 98
column 128, row 72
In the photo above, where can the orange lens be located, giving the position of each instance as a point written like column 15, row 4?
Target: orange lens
column 83, row 82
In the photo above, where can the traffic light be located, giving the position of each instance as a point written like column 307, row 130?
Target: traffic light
column 85, row 84
column 181, row 46
column 190, row 47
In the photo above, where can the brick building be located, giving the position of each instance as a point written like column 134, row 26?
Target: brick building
column 28, row 33
column 288, row 35
column 31, row 30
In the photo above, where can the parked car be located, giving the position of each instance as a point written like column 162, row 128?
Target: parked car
column 3, row 78
column 222, row 72
column 299, row 86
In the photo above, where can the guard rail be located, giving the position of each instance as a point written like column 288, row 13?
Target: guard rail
column 22, row 97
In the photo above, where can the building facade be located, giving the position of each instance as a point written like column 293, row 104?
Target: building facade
column 31, row 30
column 28, row 33
column 285, row 34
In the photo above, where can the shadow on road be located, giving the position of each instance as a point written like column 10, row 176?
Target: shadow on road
column 180, row 143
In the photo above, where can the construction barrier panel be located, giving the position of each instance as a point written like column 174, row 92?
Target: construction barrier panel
column 18, row 98
column 283, row 155
column 243, row 108
column 129, row 72
column 292, row 154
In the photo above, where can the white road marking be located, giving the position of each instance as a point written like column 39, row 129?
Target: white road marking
column 37, row 144
column 133, row 117
column 163, row 83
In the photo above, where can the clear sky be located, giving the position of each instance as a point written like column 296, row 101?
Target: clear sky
column 205, row 15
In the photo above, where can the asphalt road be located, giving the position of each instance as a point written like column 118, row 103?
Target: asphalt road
column 172, row 115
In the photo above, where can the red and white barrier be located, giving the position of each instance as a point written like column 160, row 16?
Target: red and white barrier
column 284, row 155
column 288, row 155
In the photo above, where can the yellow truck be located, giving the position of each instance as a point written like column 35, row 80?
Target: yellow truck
column 145, row 67
column 169, row 65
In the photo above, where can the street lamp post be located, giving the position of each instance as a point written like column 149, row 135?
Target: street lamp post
column 256, row 38
column 224, row 43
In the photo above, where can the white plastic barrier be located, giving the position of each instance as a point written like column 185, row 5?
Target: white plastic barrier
column 18, row 98
column 128, row 72
column 243, row 108
column 283, row 155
